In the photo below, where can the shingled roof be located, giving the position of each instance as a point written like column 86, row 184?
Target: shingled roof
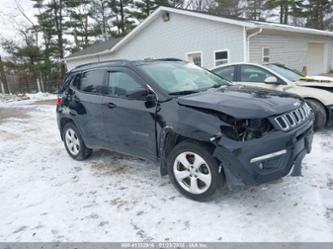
column 96, row 47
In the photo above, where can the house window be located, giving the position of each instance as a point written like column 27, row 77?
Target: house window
column 195, row 58
column 265, row 55
column 221, row 57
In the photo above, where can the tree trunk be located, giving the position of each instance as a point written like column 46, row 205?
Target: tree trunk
column 285, row 21
column 59, row 26
column 281, row 13
column 86, row 32
column 104, row 31
column 76, row 40
column 122, row 17
column 3, row 77
column 148, row 9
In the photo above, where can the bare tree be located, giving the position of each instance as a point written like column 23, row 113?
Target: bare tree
column 57, row 6
column 200, row 5
column 33, row 25
column 101, row 13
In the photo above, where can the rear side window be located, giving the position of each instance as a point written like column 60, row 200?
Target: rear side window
column 90, row 81
column 121, row 84
column 255, row 74
column 226, row 72
column 67, row 82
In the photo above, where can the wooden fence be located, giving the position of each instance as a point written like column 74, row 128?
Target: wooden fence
column 19, row 85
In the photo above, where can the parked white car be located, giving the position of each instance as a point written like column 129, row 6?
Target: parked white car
column 311, row 79
column 317, row 78
column 318, row 95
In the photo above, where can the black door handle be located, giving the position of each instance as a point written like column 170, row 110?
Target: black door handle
column 111, row 105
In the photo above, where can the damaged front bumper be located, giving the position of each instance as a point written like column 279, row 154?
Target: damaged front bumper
column 265, row 159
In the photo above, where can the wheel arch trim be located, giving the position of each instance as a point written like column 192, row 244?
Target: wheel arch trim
column 170, row 137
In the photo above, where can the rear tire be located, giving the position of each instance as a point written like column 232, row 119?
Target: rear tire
column 74, row 143
column 319, row 113
column 193, row 171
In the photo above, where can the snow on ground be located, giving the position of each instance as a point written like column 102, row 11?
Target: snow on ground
column 47, row 196
column 10, row 100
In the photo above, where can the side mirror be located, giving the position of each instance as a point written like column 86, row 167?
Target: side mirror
column 142, row 94
column 271, row 80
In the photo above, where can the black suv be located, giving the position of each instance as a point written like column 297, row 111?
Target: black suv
column 201, row 129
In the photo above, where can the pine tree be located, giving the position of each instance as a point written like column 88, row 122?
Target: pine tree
column 254, row 9
column 143, row 8
column 26, row 57
column 50, row 47
column 122, row 16
column 101, row 12
column 287, row 8
column 319, row 14
column 177, row 3
column 78, row 13
column 3, row 78
column 230, row 8
column 52, row 23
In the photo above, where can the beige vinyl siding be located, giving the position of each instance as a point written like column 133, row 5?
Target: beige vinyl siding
column 330, row 56
column 289, row 49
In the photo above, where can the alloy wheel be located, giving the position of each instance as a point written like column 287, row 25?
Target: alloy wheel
column 192, row 172
column 72, row 142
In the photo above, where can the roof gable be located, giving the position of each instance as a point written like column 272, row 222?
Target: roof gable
column 96, row 48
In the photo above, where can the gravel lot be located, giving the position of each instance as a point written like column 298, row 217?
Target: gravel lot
column 47, row 196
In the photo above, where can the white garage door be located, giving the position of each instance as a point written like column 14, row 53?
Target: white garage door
column 316, row 63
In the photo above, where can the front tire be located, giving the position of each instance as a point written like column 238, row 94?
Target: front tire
column 319, row 113
column 193, row 171
column 74, row 143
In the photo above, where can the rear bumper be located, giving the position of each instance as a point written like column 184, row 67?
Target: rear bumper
column 265, row 159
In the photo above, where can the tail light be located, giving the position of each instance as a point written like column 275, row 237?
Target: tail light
column 59, row 100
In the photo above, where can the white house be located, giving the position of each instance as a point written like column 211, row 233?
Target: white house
column 209, row 40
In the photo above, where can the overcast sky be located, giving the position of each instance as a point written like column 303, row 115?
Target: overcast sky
column 11, row 19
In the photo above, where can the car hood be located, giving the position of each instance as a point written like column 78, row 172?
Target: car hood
column 242, row 102
column 315, row 84
column 317, row 78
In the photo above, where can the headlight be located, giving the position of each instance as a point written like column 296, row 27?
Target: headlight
column 307, row 109
column 245, row 129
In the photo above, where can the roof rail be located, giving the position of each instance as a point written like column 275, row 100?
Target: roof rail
column 99, row 62
column 168, row 59
column 162, row 59
column 120, row 61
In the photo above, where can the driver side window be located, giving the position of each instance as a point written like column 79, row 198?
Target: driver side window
column 121, row 84
column 249, row 73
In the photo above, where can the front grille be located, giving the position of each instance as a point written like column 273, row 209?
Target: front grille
column 294, row 118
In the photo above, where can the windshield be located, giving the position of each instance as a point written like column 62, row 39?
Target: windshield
column 182, row 78
column 285, row 72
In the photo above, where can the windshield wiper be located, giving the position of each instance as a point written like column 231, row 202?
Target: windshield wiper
column 183, row 92
column 216, row 86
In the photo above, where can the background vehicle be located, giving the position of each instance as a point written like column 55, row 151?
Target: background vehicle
column 276, row 77
column 314, row 79
column 201, row 129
